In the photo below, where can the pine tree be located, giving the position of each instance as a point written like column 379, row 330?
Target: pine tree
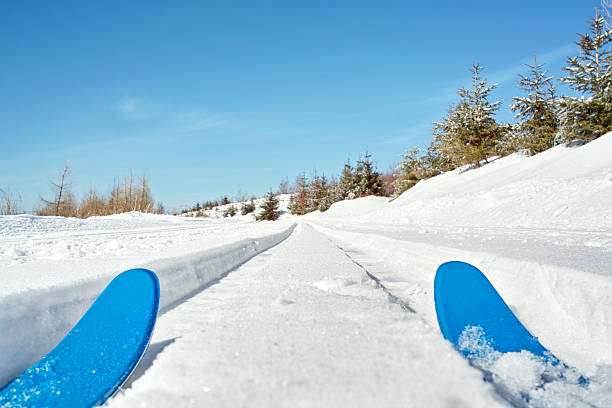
column 451, row 136
column 230, row 211
column 248, row 208
column 367, row 177
column 298, row 200
column 536, row 111
column 408, row 169
column 590, row 73
column 347, row 187
column 269, row 209
column 319, row 197
column 469, row 133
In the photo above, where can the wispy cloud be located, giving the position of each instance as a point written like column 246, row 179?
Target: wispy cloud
column 500, row 76
column 512, row 72
column 176, row 118
column 414, row 135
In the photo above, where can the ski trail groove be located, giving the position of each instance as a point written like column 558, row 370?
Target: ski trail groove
column 301, row 327
column 166, row 308
column 392, row 298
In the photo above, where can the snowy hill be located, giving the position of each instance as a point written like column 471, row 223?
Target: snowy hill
column 279, row 314
column 220, row 210
column 565, row 188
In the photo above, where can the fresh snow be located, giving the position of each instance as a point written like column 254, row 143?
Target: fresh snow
column 336, row 308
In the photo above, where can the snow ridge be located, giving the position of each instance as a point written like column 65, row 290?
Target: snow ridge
column 32, row 325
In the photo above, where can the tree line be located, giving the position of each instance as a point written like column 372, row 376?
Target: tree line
column 469, row 134
column 128, row 194
column 319, row 193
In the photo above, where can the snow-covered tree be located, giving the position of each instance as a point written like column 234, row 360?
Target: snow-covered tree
column 590, row 74
column 408, row 171
column 537, row 111
column 248, row 207
column 469, row 133
column 418, row 165
column 367, row 177
column 230, row 211
column 269, row 208
column 347, row 185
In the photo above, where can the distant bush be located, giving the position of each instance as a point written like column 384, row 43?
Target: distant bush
column 248, row 208
column 9, row 202
column 229, row 211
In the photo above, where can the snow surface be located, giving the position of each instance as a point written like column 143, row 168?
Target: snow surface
column 269, row 314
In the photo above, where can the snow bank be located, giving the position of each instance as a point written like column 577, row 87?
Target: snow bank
column 43, row 296
column 561, row 188
column 353, row 208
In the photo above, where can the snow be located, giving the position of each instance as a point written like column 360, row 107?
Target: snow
column 336, row 308
column 219, row 211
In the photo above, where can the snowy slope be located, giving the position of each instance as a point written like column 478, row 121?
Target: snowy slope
column 268, row 314
column 562, row 188
column 219, row 211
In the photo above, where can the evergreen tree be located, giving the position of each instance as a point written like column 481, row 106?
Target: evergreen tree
column 590, row 73
column 248, row 208
column 319, row 197
column 367, row 177
column 409, row 171
column 469, row 133
column 298, row 200
column 536, row 111
column 230, row 211
column 347, row 186
column 269, row 209
column 451, row 138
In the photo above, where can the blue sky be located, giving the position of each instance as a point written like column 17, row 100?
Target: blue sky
column 212, row 97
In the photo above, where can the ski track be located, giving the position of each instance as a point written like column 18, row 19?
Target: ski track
column 300, row 325
column 32, row 325
column 559, row 305
column 566, row 308
column 587, row 251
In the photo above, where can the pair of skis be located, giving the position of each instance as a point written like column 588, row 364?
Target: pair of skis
column 96, row 357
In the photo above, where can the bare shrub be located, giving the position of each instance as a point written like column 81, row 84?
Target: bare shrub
column 9, row 202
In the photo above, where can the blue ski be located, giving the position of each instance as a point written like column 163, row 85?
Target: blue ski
column 477, row 321
column 465, row 298
column 100, row 352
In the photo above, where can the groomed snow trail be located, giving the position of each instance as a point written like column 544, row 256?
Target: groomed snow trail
column 300, row 325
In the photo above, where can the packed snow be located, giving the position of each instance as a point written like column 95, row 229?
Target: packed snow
column 336, row 308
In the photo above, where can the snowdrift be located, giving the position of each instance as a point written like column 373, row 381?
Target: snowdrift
column 561, row 188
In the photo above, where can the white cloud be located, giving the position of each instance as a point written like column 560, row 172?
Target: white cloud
column 178, row 119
